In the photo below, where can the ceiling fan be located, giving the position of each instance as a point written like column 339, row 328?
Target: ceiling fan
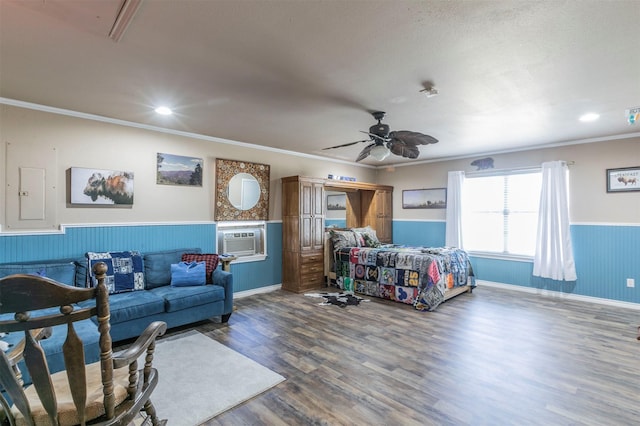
column 384, row 142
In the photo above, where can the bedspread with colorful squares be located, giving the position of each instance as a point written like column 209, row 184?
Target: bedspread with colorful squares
column 417, row 276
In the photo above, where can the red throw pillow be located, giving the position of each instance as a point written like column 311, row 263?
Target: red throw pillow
column 211, row 259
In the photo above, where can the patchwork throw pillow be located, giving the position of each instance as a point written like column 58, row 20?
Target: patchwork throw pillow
column 186, row 274
column 125, row 270
column 210, row 259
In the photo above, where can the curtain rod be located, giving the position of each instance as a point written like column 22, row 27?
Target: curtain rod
column 490, row 172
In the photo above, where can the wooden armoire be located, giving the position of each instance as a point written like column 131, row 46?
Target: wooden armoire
column 303, row 213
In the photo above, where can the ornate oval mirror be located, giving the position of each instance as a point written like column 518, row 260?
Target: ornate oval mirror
column 242, row 190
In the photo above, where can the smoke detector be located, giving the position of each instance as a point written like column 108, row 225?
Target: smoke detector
column 430, row 91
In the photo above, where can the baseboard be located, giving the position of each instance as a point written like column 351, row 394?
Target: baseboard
column 267, row 289
column 560, row 295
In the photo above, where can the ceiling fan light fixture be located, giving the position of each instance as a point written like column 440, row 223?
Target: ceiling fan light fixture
column 379, row 152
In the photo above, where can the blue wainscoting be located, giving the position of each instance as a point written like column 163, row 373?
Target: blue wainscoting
column 74, row 242
column 335, row 223
column 419, row 233
column 254, row 275
column 605, row 256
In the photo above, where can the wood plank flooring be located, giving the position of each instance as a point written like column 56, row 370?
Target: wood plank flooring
column 493, row 357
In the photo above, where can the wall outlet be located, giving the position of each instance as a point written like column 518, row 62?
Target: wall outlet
column 631, row 282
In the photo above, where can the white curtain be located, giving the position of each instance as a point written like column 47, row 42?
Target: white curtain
column 453, row 234
column 554, row 254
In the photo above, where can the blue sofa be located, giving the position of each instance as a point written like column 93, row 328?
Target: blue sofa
column 132, row 312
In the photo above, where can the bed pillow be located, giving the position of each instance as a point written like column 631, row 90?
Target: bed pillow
column 368, row 236
column 210, row 259
column 125, row 270
column 341, row 239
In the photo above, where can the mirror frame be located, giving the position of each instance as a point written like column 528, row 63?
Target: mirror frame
column 225, row 170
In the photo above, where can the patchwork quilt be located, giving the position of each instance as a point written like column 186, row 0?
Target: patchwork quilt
column 125, row 270
column 417, row 276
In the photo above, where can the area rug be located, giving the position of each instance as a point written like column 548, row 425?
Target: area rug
column 338, row 299
column 200, row 378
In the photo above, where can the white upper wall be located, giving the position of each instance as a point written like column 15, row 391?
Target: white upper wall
column 79, row 142
column 590, row 202
column 88, row 143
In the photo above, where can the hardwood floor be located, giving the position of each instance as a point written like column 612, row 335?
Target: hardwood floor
column 493, row 357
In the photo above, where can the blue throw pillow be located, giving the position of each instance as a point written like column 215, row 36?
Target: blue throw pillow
column 186, row 274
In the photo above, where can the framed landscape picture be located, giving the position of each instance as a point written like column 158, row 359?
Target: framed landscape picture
column 178, row 170
column 337, row 202
column 432, row 198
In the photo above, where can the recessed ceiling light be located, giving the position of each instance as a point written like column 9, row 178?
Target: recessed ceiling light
column 163, row 110
column 589, row 117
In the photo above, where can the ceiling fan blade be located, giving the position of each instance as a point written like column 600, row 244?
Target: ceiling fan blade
column 365, row 152
column 412, row 138
column 347, row 144
column 398, row 147
column 374, row 136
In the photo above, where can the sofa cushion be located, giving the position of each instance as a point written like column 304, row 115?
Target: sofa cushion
column 63, row 272
column 125, row 271
column 179, row 298
column 127, row 306
column 131, row 305
column 157, row 266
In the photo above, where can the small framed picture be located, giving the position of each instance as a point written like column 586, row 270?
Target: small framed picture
column 337, row 202
column 431, row 198
column 623, row 180
column 178, row 170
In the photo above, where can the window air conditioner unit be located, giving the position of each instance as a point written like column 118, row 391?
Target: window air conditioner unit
column 239, row 243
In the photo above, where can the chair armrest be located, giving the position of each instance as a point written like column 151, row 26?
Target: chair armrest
column 225, row 279
column 140, row 346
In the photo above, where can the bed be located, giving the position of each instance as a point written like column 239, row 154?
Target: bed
column 423, row 277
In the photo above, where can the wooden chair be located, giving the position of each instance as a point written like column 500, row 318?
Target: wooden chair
column 109, row 392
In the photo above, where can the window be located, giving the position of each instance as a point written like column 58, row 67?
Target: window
column 500, row 212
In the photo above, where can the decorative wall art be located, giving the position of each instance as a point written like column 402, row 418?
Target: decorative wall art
column 178, row 170
column 337, row 202
column 432, row 198
column 101, row 187
column 623, row 180
column 242, row 190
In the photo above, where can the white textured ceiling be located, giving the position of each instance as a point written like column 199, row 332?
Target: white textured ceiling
column 301, row 75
